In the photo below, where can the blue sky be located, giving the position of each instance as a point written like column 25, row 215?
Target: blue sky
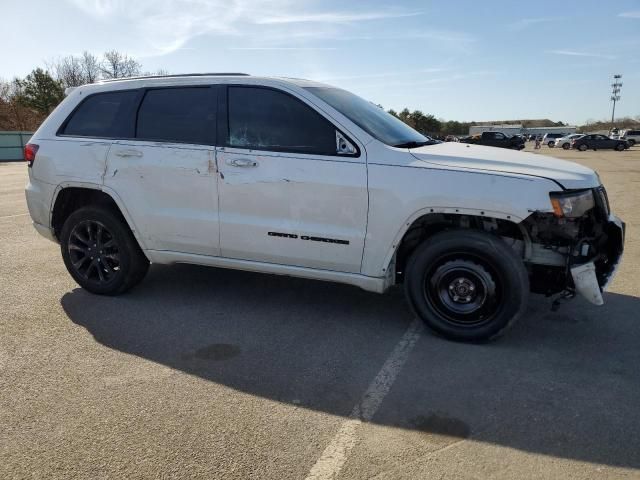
column 461, row 60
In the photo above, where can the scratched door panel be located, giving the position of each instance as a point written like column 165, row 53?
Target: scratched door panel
column 169, row 190
column 292, row 209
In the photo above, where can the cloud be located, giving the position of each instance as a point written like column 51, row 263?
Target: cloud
column 335, row 17
column 634, row 14
column 282, row 48
column 524, row 23
column 573, row 53
column 159, row 27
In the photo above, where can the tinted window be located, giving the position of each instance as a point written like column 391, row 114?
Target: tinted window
column 104, row 115
column 267, row 119
column 369, row 117
column 177, row 115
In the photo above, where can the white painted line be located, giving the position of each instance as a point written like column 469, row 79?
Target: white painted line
column 335, row 455
column 13, row 216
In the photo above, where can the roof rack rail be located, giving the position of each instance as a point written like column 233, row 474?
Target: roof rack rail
column 217, row 74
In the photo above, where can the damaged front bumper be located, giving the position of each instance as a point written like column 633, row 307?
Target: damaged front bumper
column 591, row 279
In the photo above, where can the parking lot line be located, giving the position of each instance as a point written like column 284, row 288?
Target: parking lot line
column 13, row 216
column 335, row 455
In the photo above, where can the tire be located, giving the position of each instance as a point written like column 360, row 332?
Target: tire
column 619, row 147
column 473, row 264
column 100, row 252
column 632, row 142
column 582, row 148
column 551, row 144
column 566, row 146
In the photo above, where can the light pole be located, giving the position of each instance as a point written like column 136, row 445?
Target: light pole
column 615, row 97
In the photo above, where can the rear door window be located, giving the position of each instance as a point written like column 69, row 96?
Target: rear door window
column 181, row 115
column 267, row 119
column 103, row 115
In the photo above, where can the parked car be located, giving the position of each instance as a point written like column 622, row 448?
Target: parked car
column 597, row 141
column 549, row 139
column 631, row 137
column 495, row 139
column 298, row 178
column 565, row 142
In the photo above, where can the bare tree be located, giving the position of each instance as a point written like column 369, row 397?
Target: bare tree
column 67, row 70
column 90, row 67
column 119, row 65
column 74, row 71
column 158, row 73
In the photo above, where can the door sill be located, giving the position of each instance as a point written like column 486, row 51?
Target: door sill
column 371, row 284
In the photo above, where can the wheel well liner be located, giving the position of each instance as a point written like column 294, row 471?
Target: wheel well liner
column 432, row 223
column 70, row 199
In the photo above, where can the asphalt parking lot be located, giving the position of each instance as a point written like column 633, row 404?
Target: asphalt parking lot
column 209, row 373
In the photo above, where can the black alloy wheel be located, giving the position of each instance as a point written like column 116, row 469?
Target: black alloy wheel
column 100, row 251
column 94, row 252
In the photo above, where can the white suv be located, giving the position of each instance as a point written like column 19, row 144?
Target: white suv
column 631, row 136
column 565, row 142
column 550, row 139
column 298, row 178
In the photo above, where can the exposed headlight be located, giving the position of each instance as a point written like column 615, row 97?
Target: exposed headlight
column 572, row 204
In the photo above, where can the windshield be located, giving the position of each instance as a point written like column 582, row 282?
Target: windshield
column 371, row 118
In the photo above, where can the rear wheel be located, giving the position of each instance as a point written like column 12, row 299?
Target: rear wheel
column 566, row 146
column 632, row 142
column 620, row 147
column 582, row 148
column 467, row 285
column 551, row 144
column 100, row 252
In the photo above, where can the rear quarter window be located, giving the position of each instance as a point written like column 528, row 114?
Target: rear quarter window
column 103, row 115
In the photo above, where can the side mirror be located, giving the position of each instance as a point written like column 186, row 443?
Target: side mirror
column 344, row 146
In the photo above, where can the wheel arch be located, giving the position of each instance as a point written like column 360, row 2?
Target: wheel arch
column 426, row 223
column 69, row 197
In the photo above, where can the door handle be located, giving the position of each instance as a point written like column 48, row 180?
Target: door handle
column 242, row 162
column 128, row 153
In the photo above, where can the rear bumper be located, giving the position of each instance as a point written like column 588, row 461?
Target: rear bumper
column 45, row 231
column 39, row 195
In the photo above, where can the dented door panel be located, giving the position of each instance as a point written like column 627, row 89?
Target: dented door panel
column 170, row 192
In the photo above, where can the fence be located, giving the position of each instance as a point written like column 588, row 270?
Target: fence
column 12, row 144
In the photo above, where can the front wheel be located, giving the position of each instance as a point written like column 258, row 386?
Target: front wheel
column 551, row 144
column 467, row 285
column 582, row 148
column 619, row 147
column 566, row 146
column 100, row 252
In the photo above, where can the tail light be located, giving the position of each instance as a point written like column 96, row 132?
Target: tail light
column 30, row 150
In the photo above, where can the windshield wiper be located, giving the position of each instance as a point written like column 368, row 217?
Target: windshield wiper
column 414, row 144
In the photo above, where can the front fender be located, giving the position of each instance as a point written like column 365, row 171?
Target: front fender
column 400, row 195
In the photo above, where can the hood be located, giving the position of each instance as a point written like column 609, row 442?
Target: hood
column 477, row 157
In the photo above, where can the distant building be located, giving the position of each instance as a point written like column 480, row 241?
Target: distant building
column 518, row 129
